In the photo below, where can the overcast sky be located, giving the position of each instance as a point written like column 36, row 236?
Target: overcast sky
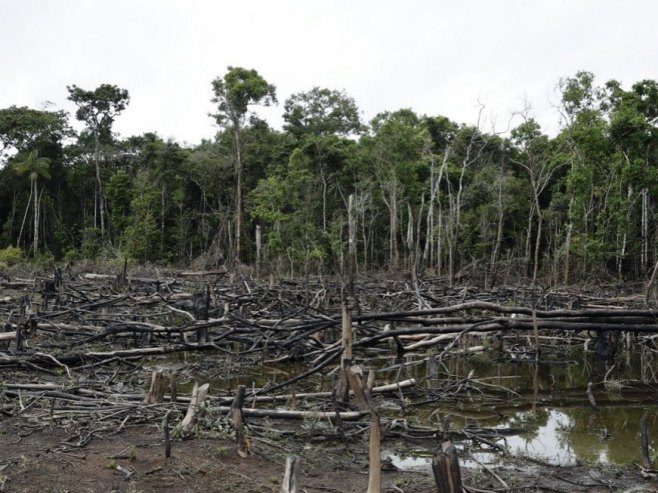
column 437, row 57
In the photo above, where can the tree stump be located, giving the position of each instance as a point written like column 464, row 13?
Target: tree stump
column 199, row 395
column 445, row 467
column 158, row 387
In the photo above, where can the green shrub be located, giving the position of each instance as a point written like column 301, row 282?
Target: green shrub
column 11, row 255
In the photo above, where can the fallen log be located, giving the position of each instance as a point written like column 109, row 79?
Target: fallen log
column 288, row 414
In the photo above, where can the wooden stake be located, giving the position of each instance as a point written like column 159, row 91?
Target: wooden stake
column 241, row 440
column 346, row 340
column 342, row 385
column 167, row 438
column 291, row 476
column 173, row 389
column 375, row 466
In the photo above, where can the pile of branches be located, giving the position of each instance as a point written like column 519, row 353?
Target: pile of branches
column 95, row 338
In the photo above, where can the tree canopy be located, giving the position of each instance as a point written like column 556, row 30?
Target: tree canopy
column 403, row 192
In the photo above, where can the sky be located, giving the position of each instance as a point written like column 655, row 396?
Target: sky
column 437, row 57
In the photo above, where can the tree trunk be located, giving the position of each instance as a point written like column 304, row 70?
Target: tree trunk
column 528, row 239
column 36, row 215
column 499, row 228
column 99, row 183
column 535, row 268
column 644, row 257
column 351, row 242
column 567, row 244
column 238, row 192
column 27, row 208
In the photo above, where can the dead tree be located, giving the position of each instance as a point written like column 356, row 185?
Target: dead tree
column 201, row 308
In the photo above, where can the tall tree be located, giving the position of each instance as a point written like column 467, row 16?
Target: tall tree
column 634, row 131
column 321, row 112
column 394, row 153
column 26, row 129
column 535, row 155
column 98, row 109
column 316, row 118
column 22, row 130
column 234, row 93
column 35, row 167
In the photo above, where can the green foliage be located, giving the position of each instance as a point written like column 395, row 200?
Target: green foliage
column 119, row 195
column 25, row 128
column 11, row 255
column 236, row 91
column 31, row 164
column 141, row 236
column 99, row 107
column 426, row 191
column 91, row 244
column 321, row 112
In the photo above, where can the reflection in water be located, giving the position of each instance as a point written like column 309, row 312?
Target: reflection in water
column 547, row 400
column 550, row 404
column 548, row 441
column 562, row 437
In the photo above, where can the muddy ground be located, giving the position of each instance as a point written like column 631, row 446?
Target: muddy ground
column 34, row 458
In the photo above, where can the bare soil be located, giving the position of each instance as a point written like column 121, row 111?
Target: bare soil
column 34, row 458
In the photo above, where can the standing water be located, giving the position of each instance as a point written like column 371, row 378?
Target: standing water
column 539, row 411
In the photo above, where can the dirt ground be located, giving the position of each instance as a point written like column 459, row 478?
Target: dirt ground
column 49, row 460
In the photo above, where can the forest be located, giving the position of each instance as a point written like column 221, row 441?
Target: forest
column 330, row 193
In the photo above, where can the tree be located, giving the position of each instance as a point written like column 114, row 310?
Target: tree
column 25, row 128
column 442, row 133
column 316, row 119
column 634, row 131
column 535, row 156
column 98, row 109
column 321, row 112
column 22, row 130
column 35, row 167
column 588, row 150
column 394, row 154
column 234, row 94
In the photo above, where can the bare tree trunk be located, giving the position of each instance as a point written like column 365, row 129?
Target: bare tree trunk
column 645, row 232
column 99, row 183
column 428, row 252
column 351, row 242
column 392, row 204
column 493, row 263
column 324, row 199
column 528, row 239
column 535, row 270
column 258, row 249
column 439, row 243
column 238, row 193
column 36, row 214
column 163, row 192
column 567, row 244
column 27, row 208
